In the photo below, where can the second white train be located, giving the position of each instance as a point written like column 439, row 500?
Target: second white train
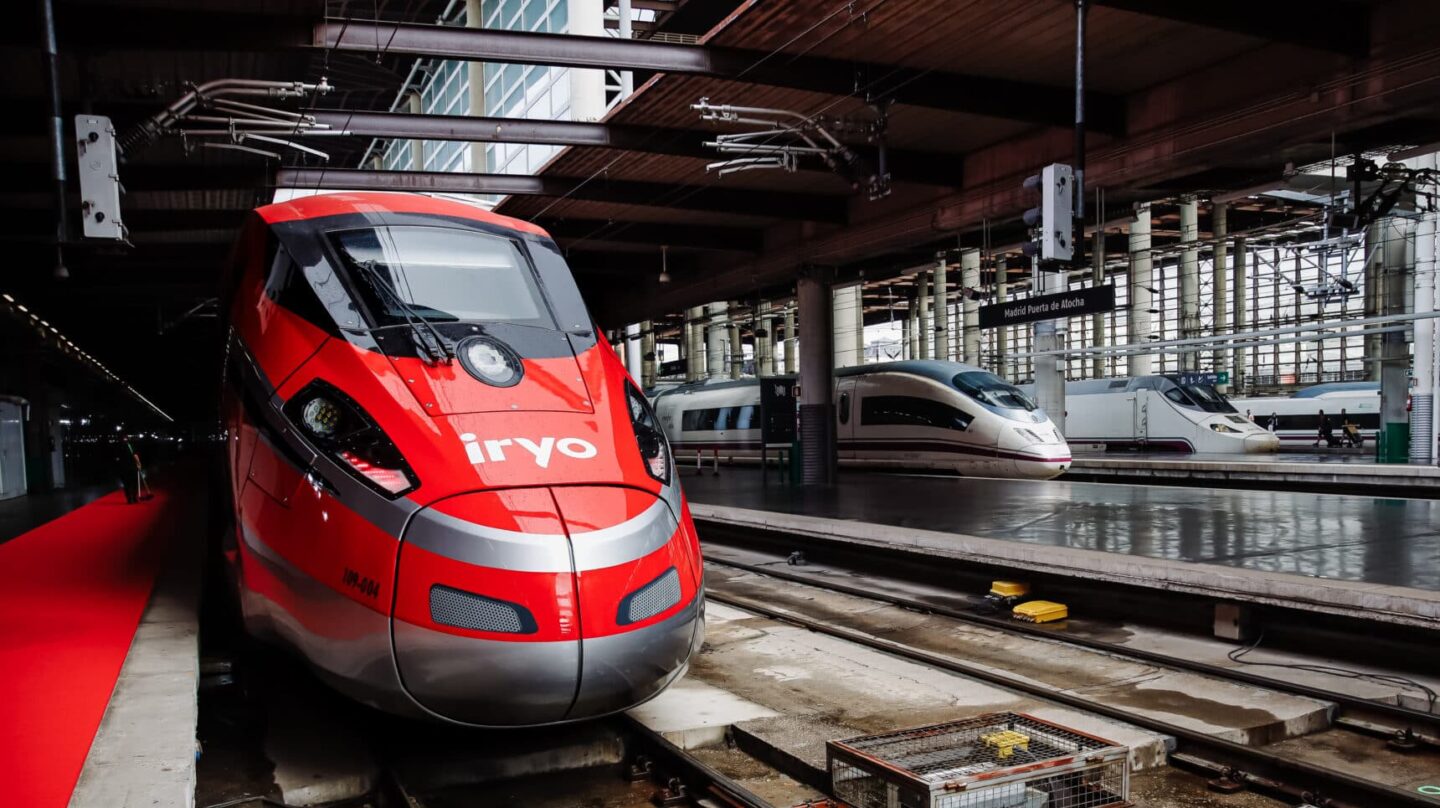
column 916, row 414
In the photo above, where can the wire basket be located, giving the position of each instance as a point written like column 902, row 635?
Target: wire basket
column 998, row 760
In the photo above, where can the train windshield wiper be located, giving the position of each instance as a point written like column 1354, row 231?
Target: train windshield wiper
column 427, row 336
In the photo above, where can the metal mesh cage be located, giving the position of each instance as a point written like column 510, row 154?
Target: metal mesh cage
column 998, row 760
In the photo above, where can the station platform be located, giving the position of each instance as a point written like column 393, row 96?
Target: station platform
column 99, row 655
column 1351, row 556
column 1341, row 471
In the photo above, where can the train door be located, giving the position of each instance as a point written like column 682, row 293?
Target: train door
column 847, row 416
column 1140, row 416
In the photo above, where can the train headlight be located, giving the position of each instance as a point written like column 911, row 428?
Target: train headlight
column 490, row 361
column 341, row 429
column 1224, row 429
column 321, row 416
column 654, row 449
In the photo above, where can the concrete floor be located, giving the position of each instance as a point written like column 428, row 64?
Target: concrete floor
column 1350, row 538
column 21, row 514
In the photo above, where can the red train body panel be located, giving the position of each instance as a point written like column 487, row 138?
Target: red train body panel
column 448, row 494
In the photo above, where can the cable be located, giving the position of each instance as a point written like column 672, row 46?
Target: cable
column 1237, row 655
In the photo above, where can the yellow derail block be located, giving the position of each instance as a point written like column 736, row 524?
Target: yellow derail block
column 1041, row 611
column 1006, row 741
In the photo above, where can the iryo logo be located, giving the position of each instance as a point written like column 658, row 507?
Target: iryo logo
column 493, row 451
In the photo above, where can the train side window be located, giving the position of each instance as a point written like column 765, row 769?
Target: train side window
column 912, row 411
column 844, row 408
column 724, row 418
column 698, row 420
column 287, row 286
column 745, row 417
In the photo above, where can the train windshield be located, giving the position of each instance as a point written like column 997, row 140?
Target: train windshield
column 442, row 275
column 1200, row 396
column 992, row 391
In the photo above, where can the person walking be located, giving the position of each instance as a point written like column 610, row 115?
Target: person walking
column 126, row 465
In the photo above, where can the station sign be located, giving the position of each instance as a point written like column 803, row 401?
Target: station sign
column 1213, row 379
column 1093, row 300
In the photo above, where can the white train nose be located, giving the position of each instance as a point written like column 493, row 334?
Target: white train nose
column 1261, row 442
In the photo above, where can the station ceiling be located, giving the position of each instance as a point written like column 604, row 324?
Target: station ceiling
column 1184, row 98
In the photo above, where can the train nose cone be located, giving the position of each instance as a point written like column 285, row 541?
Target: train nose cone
column 1261, row 442
column 533, row 606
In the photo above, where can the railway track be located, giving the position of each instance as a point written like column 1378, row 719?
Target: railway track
column 1228, row 762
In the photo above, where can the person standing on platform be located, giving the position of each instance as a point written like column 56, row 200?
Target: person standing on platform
column 1273, row 423
column 1324, row 431
column 126, row 465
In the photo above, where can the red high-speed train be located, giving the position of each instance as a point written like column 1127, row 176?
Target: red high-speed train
column 449, row 496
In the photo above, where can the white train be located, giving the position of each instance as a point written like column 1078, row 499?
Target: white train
column 1297, row 417
column 1159, row 413
column 917, row 414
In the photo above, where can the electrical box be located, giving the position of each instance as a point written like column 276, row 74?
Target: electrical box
column 99, row 177
column 1053, row 221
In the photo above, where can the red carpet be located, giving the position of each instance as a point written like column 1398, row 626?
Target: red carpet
column 71, row 595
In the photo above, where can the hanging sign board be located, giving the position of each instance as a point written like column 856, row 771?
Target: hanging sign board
column 1212, row 379
column 1049, row 307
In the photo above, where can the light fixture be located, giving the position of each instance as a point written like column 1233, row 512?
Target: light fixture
column 664, row 264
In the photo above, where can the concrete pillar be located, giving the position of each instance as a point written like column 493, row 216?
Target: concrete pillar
column 627, row 78
column 649, row 355
column 634, row 351
column 1002, row 334
column 1097, row 320
column 587, row 87
column 942, row 310
column 695, row 344
column 1189, row 279
column 475, row 18
column 1239, row 373
column 860, row 324
column 844, row 301
column 1141, row 281
column 970, row 279
column 790, row 365
column 817, row 416
column 736, row 350
column 922, row 309
column 715, row 337
column 1398, row 267
column 764, row 342
column 1219, row 283
column 1424, row 382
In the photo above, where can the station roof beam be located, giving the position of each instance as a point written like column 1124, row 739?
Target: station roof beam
column 1341, row 26
column 926, row 168
column 981, row 95
column 778, row 205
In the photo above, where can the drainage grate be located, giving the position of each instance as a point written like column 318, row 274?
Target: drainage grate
column 998, row 760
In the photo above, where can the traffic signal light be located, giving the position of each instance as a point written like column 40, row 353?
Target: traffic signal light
column 1052, row 223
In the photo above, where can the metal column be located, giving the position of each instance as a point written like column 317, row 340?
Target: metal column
column 817, row 416
column 1141, row 294
column 1049, row 335
column 942, row 309
column 737, row 350
column 1219, row 283
column 1002, row 333
column 1239, row 375
column 1097, row 320
column 790, row 366
column 1423, row 386
column 1189, row 279
column 715, row 334
column 970, row 280
column 912, row 331
column 1395, row 365
column 627, row 77
column 764, row 342
column 648, row 355
column 922, row 309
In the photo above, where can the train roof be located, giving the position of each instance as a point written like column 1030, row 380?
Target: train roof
column 1318, row 390
column 350, row 202
column 936, row 369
